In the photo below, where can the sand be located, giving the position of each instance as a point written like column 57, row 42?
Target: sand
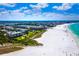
column 57, row 41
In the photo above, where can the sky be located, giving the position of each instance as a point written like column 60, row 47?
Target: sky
column 38, row 11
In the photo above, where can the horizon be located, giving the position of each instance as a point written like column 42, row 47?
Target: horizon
column 36, row 20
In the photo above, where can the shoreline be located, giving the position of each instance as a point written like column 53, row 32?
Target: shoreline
column 74, row 36
column 56, row 43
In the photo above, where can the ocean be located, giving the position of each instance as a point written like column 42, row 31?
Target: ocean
column 75, row 29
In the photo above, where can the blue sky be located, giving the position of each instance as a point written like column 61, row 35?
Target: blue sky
column 39, row 11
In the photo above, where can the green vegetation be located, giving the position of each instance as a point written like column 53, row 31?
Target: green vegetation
column 7, row 46
column 31, row 42
column 14, row 44
column 27, row 39
column 3, row 38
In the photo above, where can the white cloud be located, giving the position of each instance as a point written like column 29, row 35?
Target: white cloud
column 24, row 8
column 34, row 15
column 64, row 6
column 4, row 15
column 56, row 16
column 28, row 11
column 11, row 15
column 39, row 5
column 8, row 4
column 17, row 15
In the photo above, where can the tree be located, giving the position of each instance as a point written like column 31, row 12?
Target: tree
column 3, row 37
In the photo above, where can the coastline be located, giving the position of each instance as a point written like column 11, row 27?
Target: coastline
column 56, row 43
column 74, row 36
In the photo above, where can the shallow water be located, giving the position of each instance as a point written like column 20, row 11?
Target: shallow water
column 75, row 29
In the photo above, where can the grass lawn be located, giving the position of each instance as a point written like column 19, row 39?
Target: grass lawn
column 27, row 39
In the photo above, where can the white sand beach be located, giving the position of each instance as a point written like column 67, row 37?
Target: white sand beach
column 57, row 41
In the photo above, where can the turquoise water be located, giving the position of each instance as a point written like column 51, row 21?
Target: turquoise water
column 75, row 28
